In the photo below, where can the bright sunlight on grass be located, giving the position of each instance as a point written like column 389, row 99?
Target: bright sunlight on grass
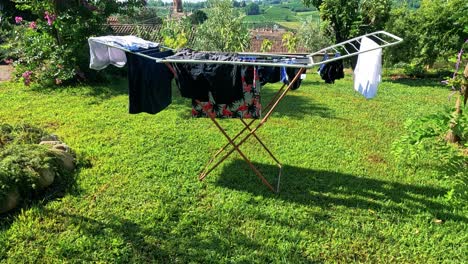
column 136, row 196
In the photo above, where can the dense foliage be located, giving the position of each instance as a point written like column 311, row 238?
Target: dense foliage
column 439, row 142
column 435, row 30
column 252, row 9
column 198, row 17
column 52, row 47
column 424, row 148
column 223, row 30
column 345, row 19
column 311, row 37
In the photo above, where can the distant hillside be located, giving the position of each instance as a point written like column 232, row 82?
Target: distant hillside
column 287, row 13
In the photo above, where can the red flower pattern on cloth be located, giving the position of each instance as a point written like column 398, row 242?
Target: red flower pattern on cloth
column 248, row 107
column 226, row 112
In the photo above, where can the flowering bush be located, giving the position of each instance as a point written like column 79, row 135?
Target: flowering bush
column 52, row 49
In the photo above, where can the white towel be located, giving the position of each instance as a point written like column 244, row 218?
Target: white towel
column 367, row 74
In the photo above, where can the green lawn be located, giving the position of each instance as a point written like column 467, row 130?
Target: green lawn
column 137, row 198
column 282, row 16
column 272, row 13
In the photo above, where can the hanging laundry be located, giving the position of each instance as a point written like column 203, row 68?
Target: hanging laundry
column 149, row 83
column 325, row 57
column 248, row 106
column 269, row 74
column 276, row 74
column 198, row 80
column 333, row 70
column 101, row 55
column 367, row 74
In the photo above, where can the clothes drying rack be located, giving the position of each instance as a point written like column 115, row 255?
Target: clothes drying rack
column 346, row 49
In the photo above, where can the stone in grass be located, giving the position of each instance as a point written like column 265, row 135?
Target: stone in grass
column 62, row 147
column 65, row 158
column 50, row 137
column 46, row 178
column 50, row 143
column 11, row 201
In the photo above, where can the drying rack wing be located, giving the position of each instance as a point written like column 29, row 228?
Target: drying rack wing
column 351, row 48
column 346, row 49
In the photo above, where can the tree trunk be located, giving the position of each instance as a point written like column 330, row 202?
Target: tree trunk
column 451, row 137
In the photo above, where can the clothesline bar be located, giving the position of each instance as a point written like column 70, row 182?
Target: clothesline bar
column 377, row 37
column 296, row 64
column 354, row 46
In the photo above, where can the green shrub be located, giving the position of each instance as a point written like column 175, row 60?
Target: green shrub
column 413, row 69
column 52, row 49
column 20, row 134
column 424, row 147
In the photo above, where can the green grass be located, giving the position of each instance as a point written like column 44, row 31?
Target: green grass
column 137, row 198
column 282, row 16
column 290, row 25
column 272, row 14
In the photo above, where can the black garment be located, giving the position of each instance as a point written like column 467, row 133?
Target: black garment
column 149, row 83
column 291, row 72
column 272, row 75
column 332, row 71
column 268, row 74
column 197, row 80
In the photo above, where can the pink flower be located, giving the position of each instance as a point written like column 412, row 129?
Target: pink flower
column 27, row 77
column 33, row 25
column 8, row 61
column 58, row 81
column 50, row 18
column 18, row 19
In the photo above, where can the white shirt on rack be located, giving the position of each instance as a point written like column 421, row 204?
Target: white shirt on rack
column 368, row 71
column 101, row 55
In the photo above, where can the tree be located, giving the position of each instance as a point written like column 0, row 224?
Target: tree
column 252, row 9
column 223, row 30
column 198, row 17
column 311, row 37
column 347, row 18
column 433, row 31
column 289, row 41
column 266, row 45
column 459, row 84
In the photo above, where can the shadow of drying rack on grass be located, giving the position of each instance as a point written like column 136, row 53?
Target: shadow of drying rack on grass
column 327, row 189
column 172, row 241
column 433, row 83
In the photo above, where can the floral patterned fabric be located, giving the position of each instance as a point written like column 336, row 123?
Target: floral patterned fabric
column 247, row 107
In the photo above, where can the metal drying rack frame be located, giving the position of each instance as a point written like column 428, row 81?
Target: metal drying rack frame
column 346, row 49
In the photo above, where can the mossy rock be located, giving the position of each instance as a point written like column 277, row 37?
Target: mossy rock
column 27, row 168
column 65, row 160
column 10, row 201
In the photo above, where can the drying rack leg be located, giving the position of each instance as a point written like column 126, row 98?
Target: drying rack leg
column 251, row 132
